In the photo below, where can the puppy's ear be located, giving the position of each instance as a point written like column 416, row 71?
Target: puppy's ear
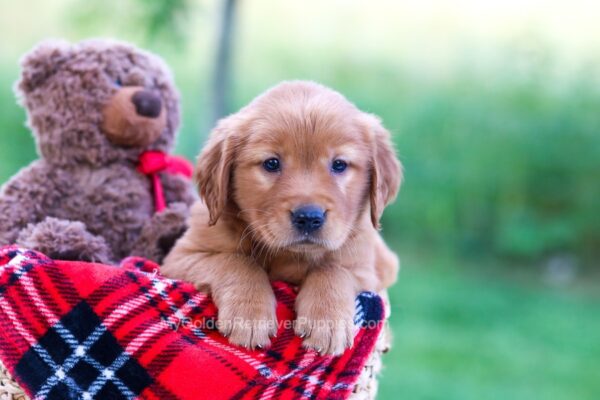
column 386, row 170
column 215, row 165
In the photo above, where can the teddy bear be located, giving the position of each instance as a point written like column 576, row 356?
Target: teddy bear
column 104, row 115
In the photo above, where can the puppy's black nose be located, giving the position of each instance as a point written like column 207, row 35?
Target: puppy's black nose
column 147, row 104
column 308, row 219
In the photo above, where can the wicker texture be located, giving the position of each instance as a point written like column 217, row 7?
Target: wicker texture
column 9, row 390
column 367, row 383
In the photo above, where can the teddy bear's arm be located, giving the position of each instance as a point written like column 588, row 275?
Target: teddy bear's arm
column 23, row 201
column 160, row 233
column 169, row 225
column 178, row 189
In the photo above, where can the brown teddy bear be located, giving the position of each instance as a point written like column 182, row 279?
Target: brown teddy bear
column 104, row 114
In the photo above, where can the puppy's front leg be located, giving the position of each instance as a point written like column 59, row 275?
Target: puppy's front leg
column 325, row 310
column 245, row 300
column 240, row 289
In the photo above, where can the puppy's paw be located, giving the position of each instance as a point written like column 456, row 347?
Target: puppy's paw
column 249, row 322
column 326, row 329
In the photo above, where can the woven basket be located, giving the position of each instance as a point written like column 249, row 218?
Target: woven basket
column 365, row 388
column 9, row 390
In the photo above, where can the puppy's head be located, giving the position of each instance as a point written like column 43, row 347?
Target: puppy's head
column 300, row 165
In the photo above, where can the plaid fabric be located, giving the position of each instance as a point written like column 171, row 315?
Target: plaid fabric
column 75, row 330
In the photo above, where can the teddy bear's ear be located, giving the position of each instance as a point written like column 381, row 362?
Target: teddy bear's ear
column 41, row 63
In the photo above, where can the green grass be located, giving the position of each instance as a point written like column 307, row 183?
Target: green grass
column 473, row 332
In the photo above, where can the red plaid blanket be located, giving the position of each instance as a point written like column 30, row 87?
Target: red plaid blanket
column 75, row 330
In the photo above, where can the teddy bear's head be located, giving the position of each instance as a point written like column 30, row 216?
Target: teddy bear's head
column 97, row 101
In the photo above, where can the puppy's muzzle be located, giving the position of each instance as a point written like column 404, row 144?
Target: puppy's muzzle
column 308, row 219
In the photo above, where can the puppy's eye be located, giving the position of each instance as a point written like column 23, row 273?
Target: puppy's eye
column 272, row 165
column 339, row 166
column 118, row 82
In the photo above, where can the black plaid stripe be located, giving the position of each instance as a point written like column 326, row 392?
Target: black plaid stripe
column 369, row 309
column 79, row 359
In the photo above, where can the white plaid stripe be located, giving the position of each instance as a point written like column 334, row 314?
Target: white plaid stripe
column 307, row 359
column 103, row 378
column 17, row 263
column 32, row 342
column 68, row 337
column 18, row 259
column 27, row 284
column 16, row 322
column 158, row 286
column 123, row 310
column 72, row 360
column 310, row 356
column 146, row 335
column 340, row 386
column 359, row 313
column 314, row 381
column 267, row 394
column 69, row 362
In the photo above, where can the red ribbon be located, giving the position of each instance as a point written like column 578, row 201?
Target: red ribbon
column 152, row 162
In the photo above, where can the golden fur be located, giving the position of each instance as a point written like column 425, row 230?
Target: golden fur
column 241, row 236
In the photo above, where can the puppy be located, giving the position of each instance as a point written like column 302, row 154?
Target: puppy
column 293, row 187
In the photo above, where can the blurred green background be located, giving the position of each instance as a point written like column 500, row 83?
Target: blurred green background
column 494, row 107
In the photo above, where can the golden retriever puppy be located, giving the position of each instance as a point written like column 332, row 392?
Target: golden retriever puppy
column 293, row 187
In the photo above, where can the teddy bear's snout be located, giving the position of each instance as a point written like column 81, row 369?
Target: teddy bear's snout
column 134, row 117
column 147, row 103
